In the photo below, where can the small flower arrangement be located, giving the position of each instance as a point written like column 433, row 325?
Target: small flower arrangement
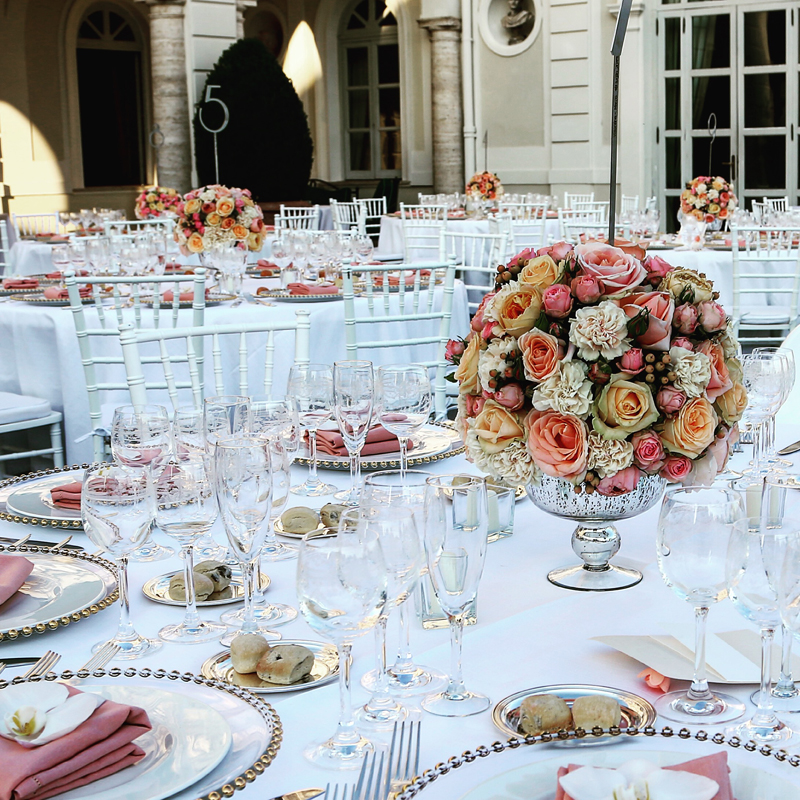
column 485, row 186
column 157, row 201
column 708, row 199
column 216, row 215
column 597, row 365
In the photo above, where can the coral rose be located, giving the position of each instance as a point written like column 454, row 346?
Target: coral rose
column 623, row 407
column 474, row 404
column 496, row 427
column 712, row 317
column 453, row 349
column 676, row 469
column 195, row 243
column 515, row 308
column 467, row 371
column 616, row 271
column 225, row 206
column 557, row 301
column 692, row 429
column 648, row 452
column 731, row 405
column 558, row 251
column 682, row 341
column 227, row 223
column 558, row 444
column 192, row 206
column 631, row 248
column 239, row 231
column 541, row 272
column 477, row 321
column 661, row 307
column 541, row 353
column 587, row 289
column 721, row 380
column 622, row 482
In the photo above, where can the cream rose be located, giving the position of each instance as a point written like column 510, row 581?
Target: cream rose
column 195, row 243
column 192, row 206
column 515, row 308
column 692, row 429
column 682, row 280
column 623, row 407
column 239, row 231
column 467, row 371
column 541, row 272
column 225, row 206
column 496, row 427
column 731, row 405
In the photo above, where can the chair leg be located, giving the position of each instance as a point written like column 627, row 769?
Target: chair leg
column 57, row 444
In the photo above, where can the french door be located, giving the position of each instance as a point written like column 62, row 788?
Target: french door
column 728, row 98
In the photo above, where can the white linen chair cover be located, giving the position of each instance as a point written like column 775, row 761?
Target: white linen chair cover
column 374, row 209
column 477, row 256
column 94, row 362
column 193, row 342
column 299, row 217
column 393, row 310
column 629, row 203
column 347, row 216
column 422, row 225
column 31, row 224
column 572, row 197
column 19, row 412
column 133, row 226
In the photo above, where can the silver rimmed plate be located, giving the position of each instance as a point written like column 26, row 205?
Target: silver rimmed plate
column 64, row 587
column 157, row 589
column 320, row 531
column 636, row 711
column 284, row 297
column 325, row 670
column 212, row 299
column 40, row 299
column 32, row 499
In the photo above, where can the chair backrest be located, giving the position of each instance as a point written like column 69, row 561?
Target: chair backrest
column 299, row 217
column 374, row 209
column 523, row 211
column 193, row 342
column 520, row 233
column 133, row 226
column 31, row 224
column 570, row 198
column 405, row 314
column 759, row 210
column 347, row 216
column 95, row 357
column 5, row 245
column 777, row 203
column 422, row 225
column 571, row 223
column 592, row 206
column 629, row 203
column 477, row 256
column 651, row 204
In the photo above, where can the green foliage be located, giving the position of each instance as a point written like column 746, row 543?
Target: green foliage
column 267, row 145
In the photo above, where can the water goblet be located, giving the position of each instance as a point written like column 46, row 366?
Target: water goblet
column 341, row 589
column 364, row 248
column 764, row 376
column 59, row 255
column 694, row 531
column 117, row 510
column 224, row 416
column 787, row 385
column 456, row 527
column 97, row 254
column 77, row 256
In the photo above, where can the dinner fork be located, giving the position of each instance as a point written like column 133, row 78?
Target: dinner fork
column 62, row 543
column 403, row 762
column 101, row 657
column 332, row 792
column 373, row 780
column 43, row 665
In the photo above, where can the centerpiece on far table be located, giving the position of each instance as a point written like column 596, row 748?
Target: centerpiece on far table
column 157, row 201
column 592, row 376
column 709, row 199
column 484, row 186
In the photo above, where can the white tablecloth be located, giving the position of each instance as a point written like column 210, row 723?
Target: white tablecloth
column 529, row 633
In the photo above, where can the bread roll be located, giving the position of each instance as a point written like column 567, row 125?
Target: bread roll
column 218, row 572
column 223, row 594
column 299, row 520
column 285, row 664
column 544, row 713
column 246, row 650
column 330, row 514
column 595, row 711
column 203, row 587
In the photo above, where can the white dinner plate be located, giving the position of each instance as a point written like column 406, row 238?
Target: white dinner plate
column 32, row 499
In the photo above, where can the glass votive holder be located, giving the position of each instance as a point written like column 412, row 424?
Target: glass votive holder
column 430, row 612
column 501, row 511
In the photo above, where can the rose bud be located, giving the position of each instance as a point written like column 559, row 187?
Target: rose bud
column 632, row 361
column 712, row 317
column 685, row 318
column 682, row 341
column 597, row 375
column 511, row 396
column 477, row 321
column 453, row 349
column 587, row 289
column 656, row 268
column 557, row 301
column 475, row 404
column 670, row 400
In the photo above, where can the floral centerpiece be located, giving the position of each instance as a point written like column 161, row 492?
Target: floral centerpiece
column 708, row 199
column 157, row 201
column 213, row 216
column 598, row 366
column 484, row 186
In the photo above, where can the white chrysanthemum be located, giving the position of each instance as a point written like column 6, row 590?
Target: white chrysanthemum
column 567, row 391
column 608, row 456
column 493, row 359
column 600, row 330
column 692, row 371
column 513, row 465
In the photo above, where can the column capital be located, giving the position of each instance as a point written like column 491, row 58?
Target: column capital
column 435, row 24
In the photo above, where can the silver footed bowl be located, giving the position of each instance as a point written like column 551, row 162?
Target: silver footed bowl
column 595, row 540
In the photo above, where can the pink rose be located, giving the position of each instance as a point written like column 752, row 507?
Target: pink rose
column 712, row 316
column 558, row 444
column 511, row 396
column 685, row 319
column 617, row 271
column 656, row 268
column 632, row 361
column 676, row 469
column 587, row 289
column 475, row 404
column 720, row 377
column 209, row 207
column 558, row 251
column 557, row 301
column 521, row 258
column 453, row 349
column 661, row 307
column 622, row 482
column 682, row 341
column 670, row 400
column 648, row 452
column 487, row 332
column 477, row 320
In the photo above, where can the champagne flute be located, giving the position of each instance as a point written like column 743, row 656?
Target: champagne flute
column 224, row 416
column 456, row 527
column 186, row 508
column 694, row 531
column 353, row 398
column 311, row 390
column 341, row 588
column 403, row 399
column 117, row 510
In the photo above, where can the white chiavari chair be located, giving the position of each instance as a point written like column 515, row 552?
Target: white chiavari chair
column 629, row 204
column 593, row 206
column 570, row 198
column 477, row 256
column 523, row 211
column 19, row 412
column 348, row 216
column 131, row 227
column 422, row 225
column 572, row 223
column 299, row 217
column 5, row 245
column 777, row 203
column 33, row 224
column 760, row 211
column 651, row 204
column 374, row 208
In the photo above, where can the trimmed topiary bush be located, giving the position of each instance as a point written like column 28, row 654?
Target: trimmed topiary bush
column 267, row 145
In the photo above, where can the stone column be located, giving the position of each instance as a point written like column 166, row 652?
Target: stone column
column 447, row 112
column 170, row 92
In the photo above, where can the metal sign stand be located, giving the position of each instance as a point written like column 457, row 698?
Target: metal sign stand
column 712, row 132
column 209, row 99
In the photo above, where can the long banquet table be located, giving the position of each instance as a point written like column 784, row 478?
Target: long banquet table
column 529, row 633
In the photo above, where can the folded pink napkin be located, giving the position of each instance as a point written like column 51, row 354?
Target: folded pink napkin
column 14, row 571
column 183, row 297
column 98, row 747
column 312, row 288
column 67, row 496
column 378, row 441
column 54, row 293
column 21, row 283
column 58, row 275
column 394, row 280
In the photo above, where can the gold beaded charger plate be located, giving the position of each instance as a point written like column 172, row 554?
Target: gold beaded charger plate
column 157, row 589
column 212, row 299
column 31, row 499
column 283, row 296
column 255, row 728
column 636, row 711
column 320, row 532
column 40, row 299
column 65, row 586
column 325, row 670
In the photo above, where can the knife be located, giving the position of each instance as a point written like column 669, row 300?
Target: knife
column 789, row 449
column 303, row 794
column 39, row 543
column 22, row 661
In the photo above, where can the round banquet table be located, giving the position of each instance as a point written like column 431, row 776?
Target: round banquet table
column 529, row 633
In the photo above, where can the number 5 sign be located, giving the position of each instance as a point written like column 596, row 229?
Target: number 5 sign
column 214, row 131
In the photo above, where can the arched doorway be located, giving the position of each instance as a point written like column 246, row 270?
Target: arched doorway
column 109, row 57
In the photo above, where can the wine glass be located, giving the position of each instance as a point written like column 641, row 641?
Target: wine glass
column 59, row 255
column 789, row 588
column 403, row 400
column 243, row 477
column 97, row 254
column 694, row 531
column 77, row 256
column 117, row 510
column 364, row 248
column 141, row 440
column 456, row 527
column 764, row 376
column 787, row 385
column 353, row 397
column 281, row 252
column 186, row 508
column 756, row 552
column 224, row 416
column 341, row 589
column 310, row 388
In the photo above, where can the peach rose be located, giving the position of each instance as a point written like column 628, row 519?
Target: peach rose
column 541, row 353
column 731, row 405
column 540, row 272
column 516, row 308
column 195, row 243
column 659, row 321
column 240, row 232
column 227, row 223
column 213, row 219
column 467, row 371
column 631, row 248
column 225, row 206
column 623, row 407
column 192, row 206
column 496, row 427
column 692, row 429
column 616, row 271
column 558, row 444
column 720, row 378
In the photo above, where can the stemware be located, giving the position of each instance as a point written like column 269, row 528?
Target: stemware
column 456, row 526
column 788, row 382
column 694, row 531
column 117, row 510
column 310, row 388
column 364, row 248
column 403, row 400
column 755, row 557
column 97, row 254
column 59, row 255
column 77, row 256
column 341, row 589
column 353, row 398
column 224, row 416
column 764, row 376
column 186, row 508
column 789, row 588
